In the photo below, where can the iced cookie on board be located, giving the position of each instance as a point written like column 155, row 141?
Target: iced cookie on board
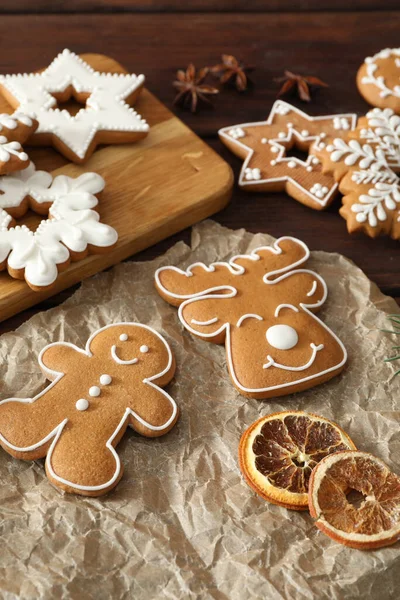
column 71, row 231
column 266, row 148
column 14, row 131
column 96, row 393
column 378, row 79
column 106, row 116
column 365, row 166
column 262, row 306
column 278, row 452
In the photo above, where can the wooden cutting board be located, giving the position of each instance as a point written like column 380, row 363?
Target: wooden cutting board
column 154, row 188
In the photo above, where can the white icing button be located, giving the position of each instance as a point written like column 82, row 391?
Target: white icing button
column 105, row 379
column 144, row 349
column 282, row 337
column 82, row 404
column 305, row 133
column 94, row 391
column 123, row 337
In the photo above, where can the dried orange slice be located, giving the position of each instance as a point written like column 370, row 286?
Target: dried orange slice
column 278, row 452
column 375, row 522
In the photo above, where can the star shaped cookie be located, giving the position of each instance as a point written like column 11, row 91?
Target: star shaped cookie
column 106, row 118
column 272, row 150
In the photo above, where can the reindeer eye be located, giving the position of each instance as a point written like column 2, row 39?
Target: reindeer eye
column 282, row 337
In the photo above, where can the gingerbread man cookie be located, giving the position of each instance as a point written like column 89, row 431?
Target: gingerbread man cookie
column 70, row 232
column 365, row 165
column 265, row 147
column 378, row 79
column 262, row 307
column 14, row 131
column 78, row 420
column 105, row 118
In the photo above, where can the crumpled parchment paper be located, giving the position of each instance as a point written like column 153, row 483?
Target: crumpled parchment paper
column 182, row 523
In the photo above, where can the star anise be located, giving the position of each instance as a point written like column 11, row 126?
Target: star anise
column 191, row 88
column 300, row 83
column 231, row 70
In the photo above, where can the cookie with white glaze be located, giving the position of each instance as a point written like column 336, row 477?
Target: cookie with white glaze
column 262, row 307
column 95, row 393
column 14, row 131
column 266, row 148
column 106, row 117
column 366, row 166
column 71, row 230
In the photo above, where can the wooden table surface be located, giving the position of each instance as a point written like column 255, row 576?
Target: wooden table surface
column 155, row 38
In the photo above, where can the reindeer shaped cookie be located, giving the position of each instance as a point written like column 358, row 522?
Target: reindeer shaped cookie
column 78, row 420
column 261, row 305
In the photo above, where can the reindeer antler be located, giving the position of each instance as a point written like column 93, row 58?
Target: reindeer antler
column 176, row 285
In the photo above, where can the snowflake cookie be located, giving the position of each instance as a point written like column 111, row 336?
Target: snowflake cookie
column 106, row 118
column 378, row 79
column 14, row 131
column 266, row 149
column 95, row 394
column 70, row 232
column 261, row 306
column 365, row 166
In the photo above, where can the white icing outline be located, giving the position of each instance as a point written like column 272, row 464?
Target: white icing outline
column 315, row 349
column 379, row 82
column 280, row 306
column 8, row 149
column 119, row 360
column 57, row 431
column 249, row 316
column 107, row 91
column 209, row 322
column 234, row 268
column 313, row 289
column 276, row 108
column 238, row 270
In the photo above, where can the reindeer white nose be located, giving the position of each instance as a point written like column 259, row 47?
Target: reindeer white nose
column 282, row 337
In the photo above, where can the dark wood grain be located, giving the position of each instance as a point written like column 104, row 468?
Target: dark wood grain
column 329, row 45
column 136, row 6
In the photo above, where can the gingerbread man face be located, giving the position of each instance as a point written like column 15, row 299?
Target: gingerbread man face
column 261, row 305
column 78, row 420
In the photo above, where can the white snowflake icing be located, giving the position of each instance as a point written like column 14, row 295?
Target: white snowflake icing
column 372, row 206
column 9, row 149
column 352, row 152
column 106, row 109
column 384, row 131
column 72, row 224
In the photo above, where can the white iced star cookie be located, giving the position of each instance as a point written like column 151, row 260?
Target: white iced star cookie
column 106, row 118
column 266, row 148
column 71, row 230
